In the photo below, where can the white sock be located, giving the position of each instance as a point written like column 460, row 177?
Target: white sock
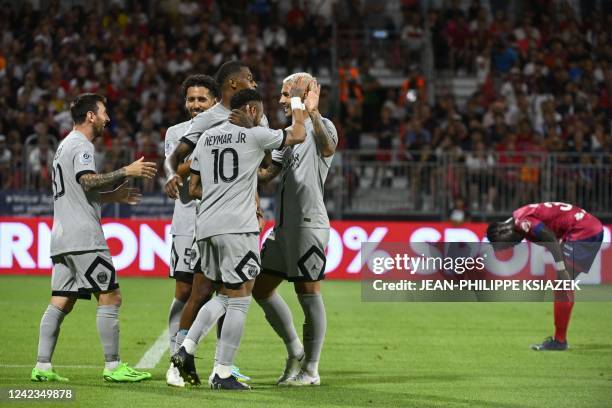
column 295, row 348
column 224, row 371
column 111, row 365
column 44, row 366
column 312, row 368
column 190, row 346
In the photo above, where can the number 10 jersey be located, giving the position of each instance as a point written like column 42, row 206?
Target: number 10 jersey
column 227, row 158
column 76, row 213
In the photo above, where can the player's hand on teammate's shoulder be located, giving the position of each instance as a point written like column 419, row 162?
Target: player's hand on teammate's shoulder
column 240, row 118
column 141, row 169
column 127, row 195
column 311, row 102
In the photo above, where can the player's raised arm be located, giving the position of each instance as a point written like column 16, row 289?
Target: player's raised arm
column 296, row 133
column 138, row 169
column 326, row 137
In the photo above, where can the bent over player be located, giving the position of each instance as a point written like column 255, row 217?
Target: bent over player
column 224, row 175
column 82, row 264
column 296, row 249
column 572, row 235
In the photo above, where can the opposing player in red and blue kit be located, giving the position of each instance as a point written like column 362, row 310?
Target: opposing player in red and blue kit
column 572, row 235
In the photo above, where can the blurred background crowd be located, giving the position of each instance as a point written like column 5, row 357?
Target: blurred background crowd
column 444, row 108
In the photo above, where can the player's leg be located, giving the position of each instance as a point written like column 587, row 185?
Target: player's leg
column 64, row 293
column 96, row 275
column 579, row 257
column 205, row 318
column 275, row 308
column 182, row 272
column 238, row 302
column 202, row 290
column 308, row 251
column 240, row 265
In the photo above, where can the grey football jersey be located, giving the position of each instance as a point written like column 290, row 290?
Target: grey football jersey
column 183, row 218
column 76, row 213
column 299, row 198
column 204, row 121
column 207, row 119
column 227, row 158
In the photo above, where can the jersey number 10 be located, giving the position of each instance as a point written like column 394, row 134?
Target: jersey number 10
column 218, row 170
column 58, row 182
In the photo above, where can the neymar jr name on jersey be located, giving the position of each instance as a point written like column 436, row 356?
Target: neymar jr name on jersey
column 214, row 140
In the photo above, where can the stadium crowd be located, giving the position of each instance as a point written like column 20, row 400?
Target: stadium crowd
column 543, row 73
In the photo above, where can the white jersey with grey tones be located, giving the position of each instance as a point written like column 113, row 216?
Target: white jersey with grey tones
column 227, row 158
column 76, row 213
column 183, row 218
column 299, row 198
column 207, row 119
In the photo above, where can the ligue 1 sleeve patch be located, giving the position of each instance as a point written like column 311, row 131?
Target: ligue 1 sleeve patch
column 525, row 226
column 169, row 146
column 85, row 158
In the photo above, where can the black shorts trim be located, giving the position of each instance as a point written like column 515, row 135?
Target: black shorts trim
column 277, row 164
column 302, row 265
column 82, row 173
column 188, row 142
column 193, row 171
column 274, row 273
column 79, row 295
column 186, row 277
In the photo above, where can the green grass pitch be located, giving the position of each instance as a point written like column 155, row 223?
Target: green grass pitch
column 375, row 354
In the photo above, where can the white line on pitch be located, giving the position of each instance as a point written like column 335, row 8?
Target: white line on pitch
column 155, row 353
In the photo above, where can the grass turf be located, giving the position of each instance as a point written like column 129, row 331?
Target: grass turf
column 375, row 354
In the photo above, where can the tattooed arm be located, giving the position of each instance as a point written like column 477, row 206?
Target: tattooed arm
column 324, row 137
column 138, row 169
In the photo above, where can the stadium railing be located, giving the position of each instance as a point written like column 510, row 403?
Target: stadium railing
column 427, row 184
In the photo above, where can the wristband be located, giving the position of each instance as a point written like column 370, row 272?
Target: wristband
column 560, row 266
column 296, row 103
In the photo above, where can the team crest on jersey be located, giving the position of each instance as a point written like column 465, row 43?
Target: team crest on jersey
column 293, row 161
column 85, row 158
column 525, row 226
column 102, row 277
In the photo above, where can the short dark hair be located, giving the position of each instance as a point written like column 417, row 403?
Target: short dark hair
column 87, row 102
column 245, row 96
column 205, row 81
column 228, row 69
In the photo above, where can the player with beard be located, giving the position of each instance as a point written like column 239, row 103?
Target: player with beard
column 232, row 77
column 296, row 250
column 201, row 93
column 82, row 264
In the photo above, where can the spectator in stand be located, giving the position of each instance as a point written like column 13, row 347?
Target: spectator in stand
column 39, row 163
column 6, row 176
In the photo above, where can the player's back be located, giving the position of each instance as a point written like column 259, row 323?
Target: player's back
column 76, row 213
column 204, row 121
column 299, row 200
column 227, row 158
column 567, row 221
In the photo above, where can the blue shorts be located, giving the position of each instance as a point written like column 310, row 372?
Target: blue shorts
column 581, row 254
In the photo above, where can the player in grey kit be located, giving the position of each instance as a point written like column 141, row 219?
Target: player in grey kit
column 231, row 77
column 224, row 168
column 296, row 249
column 201, row 93
column 82, row 264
